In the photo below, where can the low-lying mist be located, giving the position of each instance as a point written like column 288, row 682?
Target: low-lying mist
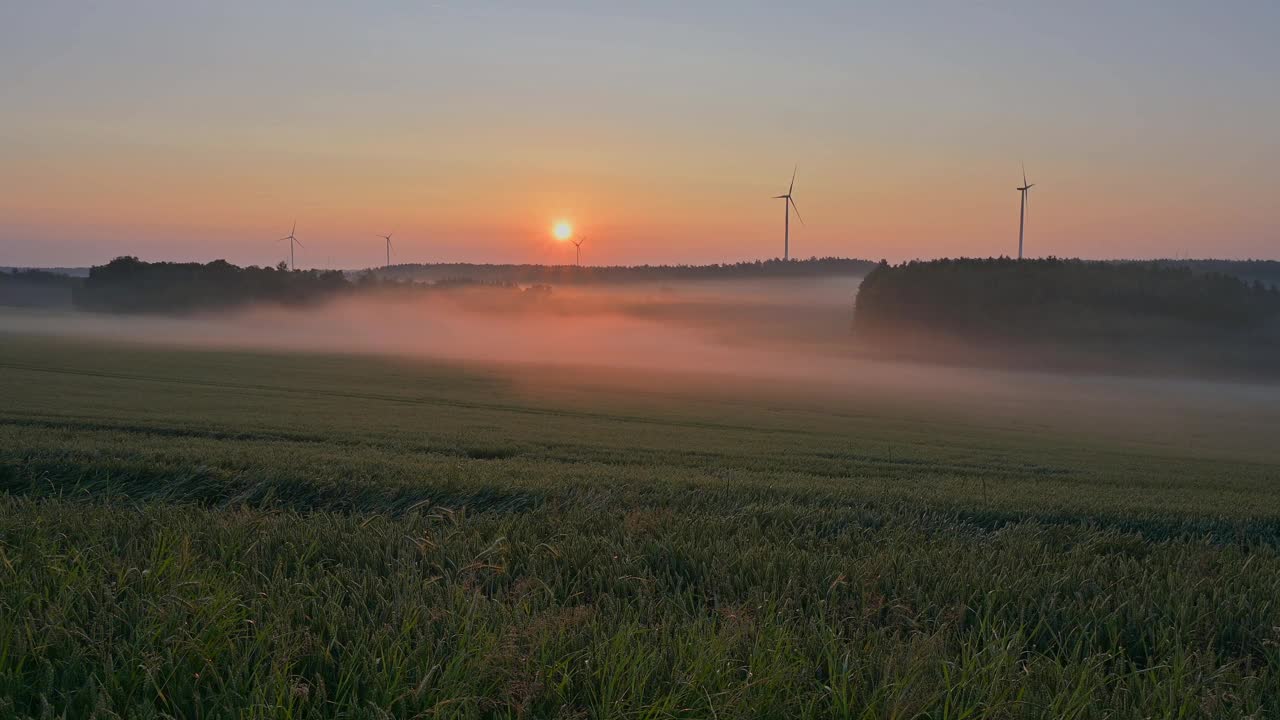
column 774, row 341
column 736, row 328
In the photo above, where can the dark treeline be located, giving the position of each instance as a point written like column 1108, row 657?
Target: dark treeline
column 18, row 276
column 1071, row 307
column 78, row 272
column 571, row 274
column 130, row 285
column 1266, row 272
column 36, row 288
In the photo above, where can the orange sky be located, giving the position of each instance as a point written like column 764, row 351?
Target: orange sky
column 468, row 131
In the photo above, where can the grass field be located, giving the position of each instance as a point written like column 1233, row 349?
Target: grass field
column 219, row 533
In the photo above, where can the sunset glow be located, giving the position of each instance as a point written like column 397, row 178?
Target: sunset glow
column 110, row 151
column 562, row 231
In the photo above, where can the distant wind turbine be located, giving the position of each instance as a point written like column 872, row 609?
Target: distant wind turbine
column 388, row 239
column 788, row 203
column 292, row 241
column 577, row 250
column 1022, row 213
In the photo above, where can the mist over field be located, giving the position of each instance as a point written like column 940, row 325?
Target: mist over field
column 785, row 341
column 735, row 328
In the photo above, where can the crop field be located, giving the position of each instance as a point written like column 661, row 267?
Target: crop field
column 219, row 533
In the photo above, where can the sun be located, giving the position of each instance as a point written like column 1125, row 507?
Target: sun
column 562, row 230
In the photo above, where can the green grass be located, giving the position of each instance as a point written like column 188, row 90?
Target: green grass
column 205, row 534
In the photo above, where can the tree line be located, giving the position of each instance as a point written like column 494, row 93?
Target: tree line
column 128, row 284
column 573, row 274
column 36, row 288
column 1266, row 272
column 1068, row 300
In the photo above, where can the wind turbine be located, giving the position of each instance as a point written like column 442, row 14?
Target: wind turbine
column 1022, row 213
column 577, row 250
column 388, row 239
column 292, row 241
column 788, row 203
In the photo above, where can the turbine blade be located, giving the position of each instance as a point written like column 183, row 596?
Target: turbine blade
column 779, row 197
column 299, row 242
column 1024, row 174
column 793, row 179
column 793, row 207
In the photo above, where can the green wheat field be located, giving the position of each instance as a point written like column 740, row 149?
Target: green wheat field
column 224, row 534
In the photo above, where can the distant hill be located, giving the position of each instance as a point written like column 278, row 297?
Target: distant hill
column 1070, row 312
column 575, row 275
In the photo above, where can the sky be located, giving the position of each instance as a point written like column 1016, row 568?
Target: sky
column 660, row 130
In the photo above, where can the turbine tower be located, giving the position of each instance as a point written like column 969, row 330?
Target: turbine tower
column 1022, row 212
column 292, row 241
column 788, row 203
column 388, row 239
column 577, row 250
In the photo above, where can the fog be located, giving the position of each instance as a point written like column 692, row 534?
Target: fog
column 732, row 327
column 774, row 341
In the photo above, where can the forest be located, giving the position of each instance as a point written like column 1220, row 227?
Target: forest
column 128, row 284
column 36, row 288
column 1070, row 306
column 1266, row 272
